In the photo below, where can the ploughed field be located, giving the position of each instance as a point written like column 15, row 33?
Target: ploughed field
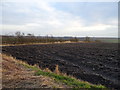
column 93, row 62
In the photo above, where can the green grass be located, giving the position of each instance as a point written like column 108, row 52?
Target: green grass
column 110, row 40
column 66, row 79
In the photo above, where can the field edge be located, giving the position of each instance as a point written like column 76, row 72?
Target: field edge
column 68, row 80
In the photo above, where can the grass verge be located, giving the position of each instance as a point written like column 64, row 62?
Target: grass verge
column 65, row 79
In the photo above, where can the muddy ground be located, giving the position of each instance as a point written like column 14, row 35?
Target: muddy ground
column 93, row 62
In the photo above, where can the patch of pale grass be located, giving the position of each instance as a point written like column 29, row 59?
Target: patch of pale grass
column 57, row 70
column 47, row 70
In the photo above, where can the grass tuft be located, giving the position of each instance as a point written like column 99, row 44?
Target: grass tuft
column 57, row 70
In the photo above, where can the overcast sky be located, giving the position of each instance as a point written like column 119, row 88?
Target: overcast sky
column 60, row 18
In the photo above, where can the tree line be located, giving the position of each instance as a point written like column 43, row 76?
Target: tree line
column 20, row 38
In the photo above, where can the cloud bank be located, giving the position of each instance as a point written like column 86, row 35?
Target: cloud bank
column 44, row 18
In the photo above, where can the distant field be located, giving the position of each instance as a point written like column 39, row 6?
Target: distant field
column 110, row 40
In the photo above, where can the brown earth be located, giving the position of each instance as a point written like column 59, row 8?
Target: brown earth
column 96, row 63
column 15, row 75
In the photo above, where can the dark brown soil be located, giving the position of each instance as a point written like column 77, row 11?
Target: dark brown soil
column 93, row 62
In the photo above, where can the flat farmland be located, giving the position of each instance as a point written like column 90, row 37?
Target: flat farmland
column 96, row 63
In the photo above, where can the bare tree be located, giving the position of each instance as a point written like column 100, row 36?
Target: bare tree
column 87, row 38
column 19, row 34
column 19, row 37
column 29, row 34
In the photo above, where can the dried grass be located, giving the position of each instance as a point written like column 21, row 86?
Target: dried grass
column 57, row 70
column 47, row 70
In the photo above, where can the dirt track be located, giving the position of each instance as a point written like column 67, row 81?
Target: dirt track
column 93, row 62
